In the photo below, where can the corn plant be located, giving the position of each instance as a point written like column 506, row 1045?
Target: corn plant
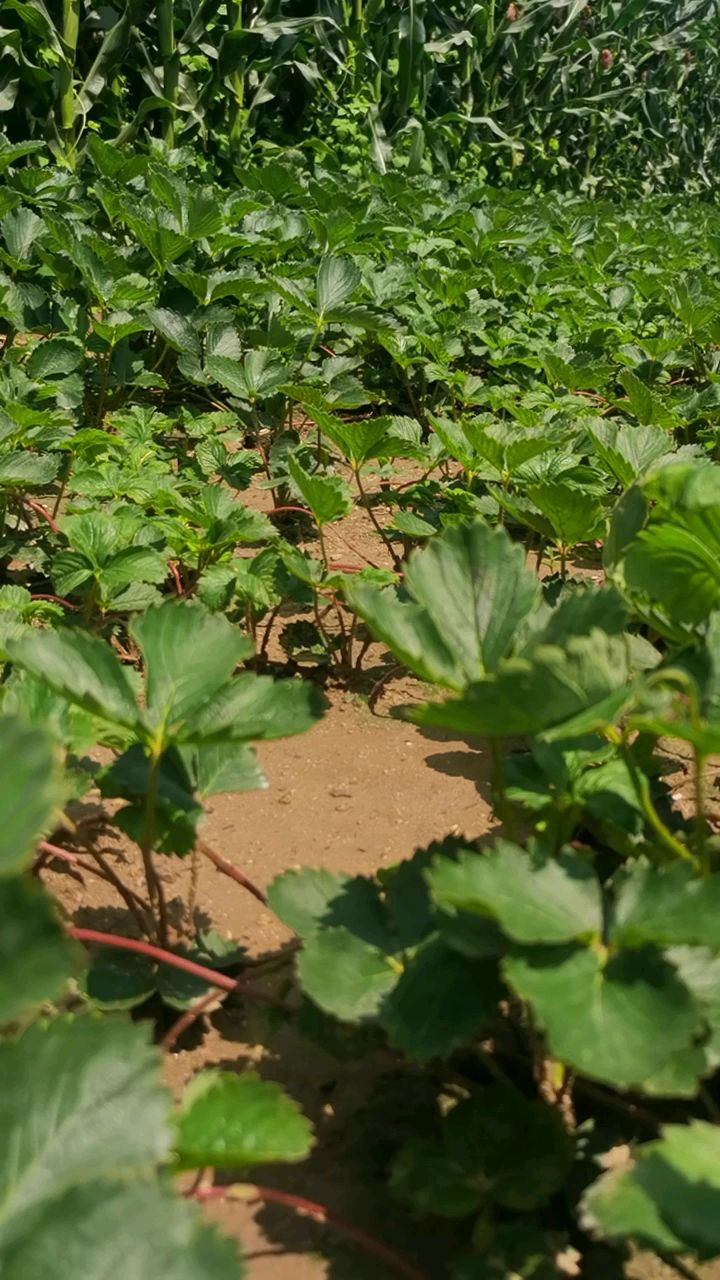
column 541, row 90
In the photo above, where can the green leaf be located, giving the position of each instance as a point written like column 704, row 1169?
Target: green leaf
column 476, row 586
column 84, row 1233
column 328, row 497
column 259, row 375
column 471, row 589
column 233, row 1121
column 412, row 526
column 36, row 958
column 337, row 280
column 534, row 898
column 575, row 516
column 216, row 587
column 497, row 1146
column 119, row 979
column 302, row 899
column 257, row 707
column 219, row 767
column 357, row 441
column 628, row 452
column 69, row 1093
column 12, row 151
column 20, row 229
column 667, row 905
column 344, row 975
column 133, row 565
column 426, row 1178
column 680, row 1174
column 55, row 358
column 640, row 397
column 176, row 329
column 70, row 570
column 94, row 534
column 621, row 1022
column 561, row 693
column 676, row 568
column 27, row 470
column 189, row 655
column 82, row 668
column 669, row 1199
column 30, row 789
column 409, row 632
column 442, row 1000
column 308, row 900
column 179, row 989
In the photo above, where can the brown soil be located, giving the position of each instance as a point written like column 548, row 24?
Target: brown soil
column 361, row 790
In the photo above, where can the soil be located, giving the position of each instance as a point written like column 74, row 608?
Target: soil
column 361, row 790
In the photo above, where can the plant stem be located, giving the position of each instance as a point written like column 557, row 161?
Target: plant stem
column 134, row 903
column 502, row 807
column 639, row 1114
column 641, row 787
column 41, row 511
column 234, row 10
column 160, row 954
column 42, row 595
column 102, row 392
column 492, row 1067
column 268, row 628
column 323, row 548
column 60, row 496
column 181, row 1024
column 319, row 622
column 69, row 41
column 171, row 63
column 270, row 1195
column 154, row 885
column 490, row 28
column 368, row 507
column 229, row 869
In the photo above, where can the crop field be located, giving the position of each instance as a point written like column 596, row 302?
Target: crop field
column 360, row 641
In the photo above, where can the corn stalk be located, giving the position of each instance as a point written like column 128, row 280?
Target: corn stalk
column 170, row 56
column 66, row 100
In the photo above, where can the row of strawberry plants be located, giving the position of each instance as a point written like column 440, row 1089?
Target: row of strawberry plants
column 548, row 386
column 541, row 976
column 519, row 363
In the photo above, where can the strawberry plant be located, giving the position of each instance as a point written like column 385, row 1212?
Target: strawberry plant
column 562, row 959
column 92, row 1137
column 260, row 418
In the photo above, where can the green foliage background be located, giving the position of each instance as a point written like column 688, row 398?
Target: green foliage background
column 551, row 90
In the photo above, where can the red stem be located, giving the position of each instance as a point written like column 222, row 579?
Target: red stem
column 41, row 511
column 344, row 568
column 321, row 1213
column 135, row 904
column 276, row 511
column 155, row 953
column 54, row 851
column 176, row 576
column 187, row 1018
column 229, row 869
column 55, row 600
